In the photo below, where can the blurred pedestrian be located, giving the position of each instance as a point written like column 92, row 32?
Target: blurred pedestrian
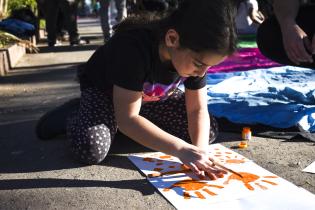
column 248, row 16
column 105, row 14
column 68, row 10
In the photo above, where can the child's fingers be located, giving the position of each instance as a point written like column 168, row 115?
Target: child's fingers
column 194, row 168
column 211, row 176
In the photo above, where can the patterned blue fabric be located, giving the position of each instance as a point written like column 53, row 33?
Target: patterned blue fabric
column 280, row 97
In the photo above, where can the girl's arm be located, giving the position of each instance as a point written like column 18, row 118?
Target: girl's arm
column 127, row 106
column 198, row 117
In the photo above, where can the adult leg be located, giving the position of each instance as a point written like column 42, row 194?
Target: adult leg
column 51, row 10
column 171, row 116
column 269, row 36
column 105, row 18
column 121, row 10
column 69, row 11
column 92, row 129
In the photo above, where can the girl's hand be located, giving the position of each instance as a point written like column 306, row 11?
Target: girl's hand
column 200, row 163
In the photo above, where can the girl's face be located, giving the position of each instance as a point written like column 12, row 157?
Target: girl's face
column 186, row 62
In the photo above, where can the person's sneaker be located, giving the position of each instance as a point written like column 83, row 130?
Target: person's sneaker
column 79, row 41
column 53, row 123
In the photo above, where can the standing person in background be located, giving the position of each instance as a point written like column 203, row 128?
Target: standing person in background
column 288, row 37
column 68, row 10
column 132, row 81
column 248, row 16
column 104, row 13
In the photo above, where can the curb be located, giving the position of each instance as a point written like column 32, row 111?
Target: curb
column 9, row 57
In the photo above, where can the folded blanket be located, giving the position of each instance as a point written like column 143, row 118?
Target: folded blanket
column 280, row 97
column 245, row 59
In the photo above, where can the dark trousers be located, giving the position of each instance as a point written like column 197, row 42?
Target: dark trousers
column 269, row 37
column 92, row 128
column 56, row 8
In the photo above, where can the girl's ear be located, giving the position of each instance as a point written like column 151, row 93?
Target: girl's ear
column 172, row 38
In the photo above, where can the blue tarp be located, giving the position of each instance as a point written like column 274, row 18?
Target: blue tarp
column 280, row 97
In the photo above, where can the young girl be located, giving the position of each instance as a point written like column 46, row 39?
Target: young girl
column 131, row 83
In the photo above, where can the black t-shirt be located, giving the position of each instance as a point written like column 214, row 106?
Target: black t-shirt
column 131, row 60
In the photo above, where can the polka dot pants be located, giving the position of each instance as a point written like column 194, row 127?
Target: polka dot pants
column 92, row 129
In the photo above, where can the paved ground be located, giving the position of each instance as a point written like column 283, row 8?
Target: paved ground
column 40, row 175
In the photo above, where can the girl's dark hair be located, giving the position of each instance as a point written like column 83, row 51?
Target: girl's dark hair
column 202, row 25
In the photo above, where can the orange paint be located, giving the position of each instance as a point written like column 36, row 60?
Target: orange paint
column 236, row 161
column 269, row 182
column 147, row 159
column 193, row 185
column 209, row 192
column 199, row 195
column 186, row 195
column 228, row 153
column 217, row 155
column 270, row 176
column 169, row 173
column 228, row 157
column 261, row 186
column 247, row 178
column 165, row 157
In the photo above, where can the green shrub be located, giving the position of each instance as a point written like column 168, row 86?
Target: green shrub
column 18, row 4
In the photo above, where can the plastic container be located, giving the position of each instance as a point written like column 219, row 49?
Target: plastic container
column 246, row 136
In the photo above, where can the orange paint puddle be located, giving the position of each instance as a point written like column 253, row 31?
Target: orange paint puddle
column 193, row 185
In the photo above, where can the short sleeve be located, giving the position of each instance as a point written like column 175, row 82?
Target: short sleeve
column 195, row 83
column 128, row 63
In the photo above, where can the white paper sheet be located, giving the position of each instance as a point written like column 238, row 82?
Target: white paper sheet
column 258, row 189
column 310, row 169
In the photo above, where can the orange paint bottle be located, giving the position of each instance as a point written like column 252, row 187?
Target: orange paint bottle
column 246, row 136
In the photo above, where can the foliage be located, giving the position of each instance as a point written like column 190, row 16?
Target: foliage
column 18, row 4
column 8, row 39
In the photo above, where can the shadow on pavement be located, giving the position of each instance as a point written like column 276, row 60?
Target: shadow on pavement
column 51, row 73
column 21, row 151
column 141, row 185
